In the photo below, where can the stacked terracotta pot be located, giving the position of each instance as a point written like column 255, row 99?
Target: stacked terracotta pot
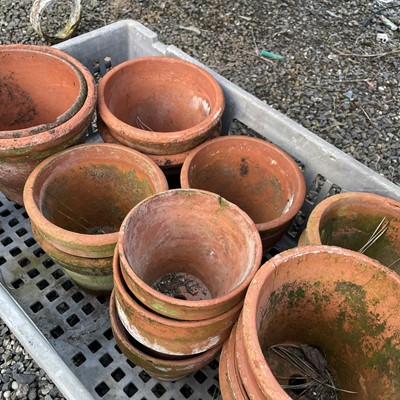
column 161, row 106
column 76, row 201
column 47, row 102
column 183, row 262
column 317, row 321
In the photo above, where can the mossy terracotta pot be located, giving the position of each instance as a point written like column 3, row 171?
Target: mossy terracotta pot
column 169, row 336
column 188, row 254
column 160, row 105
column 358, row 221
column 229, row 379
column 340, row 301
column 49, row 102
column 162, row 368
column 257, row 176
column 78, row 198
column 94, row 275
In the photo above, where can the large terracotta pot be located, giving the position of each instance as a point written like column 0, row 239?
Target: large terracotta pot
column 162, row 368
column 340, row 301
column 255, row 175
column 188, row 254
column 160, row 105
column 77, row 199
column 350, row 220
column 34, row 125
column 165, row 335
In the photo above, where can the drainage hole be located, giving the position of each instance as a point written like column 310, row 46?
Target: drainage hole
column 296, row 384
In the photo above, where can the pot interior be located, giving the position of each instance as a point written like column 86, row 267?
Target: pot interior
column 247, row 173
column 347, row 310
column 35, row 88
column 190, row 245
column 160, row 96
column 91, row 190
column 371, row 227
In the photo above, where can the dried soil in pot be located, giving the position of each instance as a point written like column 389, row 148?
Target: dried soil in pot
column 363, row 222
column 34, row 100
column 162, row 368
column 165, row 335
column 255, row 175
column 78, row 198
column 333, row 299
column 188, row 254
column 19, row 156
column 160, row 105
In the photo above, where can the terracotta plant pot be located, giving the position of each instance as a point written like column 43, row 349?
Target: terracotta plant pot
column 165, row 369
column 92, row 274
column 40, row 126
column 255, row 175
column 339, row 301
column 201, row 262
column 170, row 163
column 77, row 198
column 229, row 379
column 350, row 220
column 165, row 335
column 160, row 105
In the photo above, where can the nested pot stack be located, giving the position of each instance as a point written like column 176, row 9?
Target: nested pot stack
column 185, row 259
column 48, row 99
column 320, row 300
column 161, row 106
column 77, row 200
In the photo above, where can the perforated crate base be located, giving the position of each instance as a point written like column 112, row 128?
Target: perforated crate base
column 77, row 324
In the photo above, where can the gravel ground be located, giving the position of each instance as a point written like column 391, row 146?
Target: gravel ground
column 338, row 79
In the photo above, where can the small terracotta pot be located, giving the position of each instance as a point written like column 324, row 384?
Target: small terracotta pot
column 229, row 379
column 20, row 155
column 205, row 255
column 341, row 301
column 169, row 336
column 162, row 368
column 160, row 105
column 92, row 274
column 349, row 220
column 78, row 198
column 257, row 176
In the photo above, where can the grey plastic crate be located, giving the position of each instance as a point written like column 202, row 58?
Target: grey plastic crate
column 66, row 330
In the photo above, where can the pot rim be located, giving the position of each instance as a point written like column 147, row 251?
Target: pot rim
column 315, row 219
column 248, row 325
column 66, row 115
column 28, row 144
column 300, row 185
column 66, row 237
column 123, row 334
column 165, row 138
column 192, row 305
column 119, row 286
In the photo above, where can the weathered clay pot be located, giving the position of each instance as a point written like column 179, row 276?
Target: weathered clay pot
column 37, row 134
column 165, row 335
column 341, row 301
column 349, row 220
column 162, row 368
column 160, row 105
column 197, row 249
column 257, row 176
column 92, row 274
column 78, row 198
column 170, row 163
column 229, row 379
